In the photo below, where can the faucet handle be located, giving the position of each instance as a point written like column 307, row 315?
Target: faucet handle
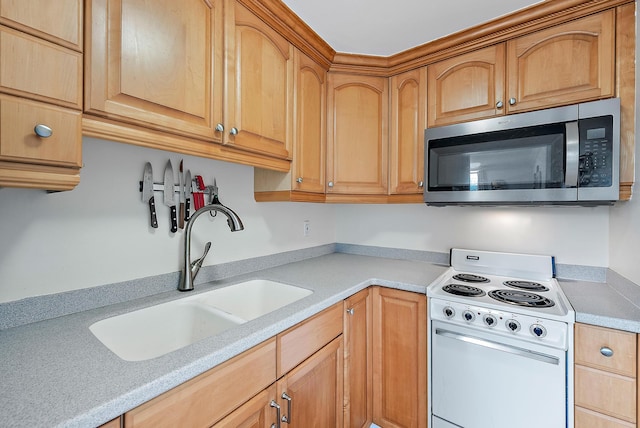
column 196, row 265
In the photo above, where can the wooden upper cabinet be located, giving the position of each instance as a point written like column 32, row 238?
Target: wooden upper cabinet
column 467, row 87
column 259, row 86
column 41, row 74
column 357, row 137
column 58, row 21
column 407, row 124
column 564, row 64
column 156, row 64
column 561, row 65
column 310, row 126
column 305, row 181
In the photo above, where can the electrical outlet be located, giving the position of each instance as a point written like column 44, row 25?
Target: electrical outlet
column 306, row 228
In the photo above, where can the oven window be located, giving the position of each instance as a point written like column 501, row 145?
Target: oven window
column 526, row 158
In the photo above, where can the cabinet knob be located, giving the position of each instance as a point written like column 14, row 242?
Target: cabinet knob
column 219, row 127
column 299, row 180
column 234, row 131
column 606, row 351
column 512, row 101
column 499, row 104
column 330, row 184
column 43, row 131
column 421, row 184
column 350, row 311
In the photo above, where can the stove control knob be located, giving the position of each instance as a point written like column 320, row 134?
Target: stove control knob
column 489, row 320
column 468, row 316
column 448, row 312
column 538, row 330
column 513, row 326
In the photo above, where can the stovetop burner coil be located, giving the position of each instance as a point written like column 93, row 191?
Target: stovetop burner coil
column 521, row 298
column 526, row 285
column 469, row 277
column 463, row 290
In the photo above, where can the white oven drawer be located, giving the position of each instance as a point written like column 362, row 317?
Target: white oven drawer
column 481, row 380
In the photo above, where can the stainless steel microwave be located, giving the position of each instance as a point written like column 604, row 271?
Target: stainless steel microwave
column 565, row 155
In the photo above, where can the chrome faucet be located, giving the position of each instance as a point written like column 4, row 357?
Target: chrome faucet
column 190, row 269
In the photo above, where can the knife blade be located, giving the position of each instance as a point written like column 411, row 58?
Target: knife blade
column 187, row 196
column 147, row 193
column 181, row 192
column 169, row 195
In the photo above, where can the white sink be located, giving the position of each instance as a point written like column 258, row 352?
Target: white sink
column 157, row 330
column 252, row 299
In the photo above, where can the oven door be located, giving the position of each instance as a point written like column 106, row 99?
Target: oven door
column 482, row 380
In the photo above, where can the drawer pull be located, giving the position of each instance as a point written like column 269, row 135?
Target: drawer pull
column 606, row 351
column 43, row 131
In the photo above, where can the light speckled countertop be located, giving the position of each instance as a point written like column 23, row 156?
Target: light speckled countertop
column 56, row 373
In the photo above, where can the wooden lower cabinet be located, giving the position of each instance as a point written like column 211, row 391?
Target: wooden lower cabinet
column 399, row 358
column 310, row 396
column 606, row 387
column 358, row 360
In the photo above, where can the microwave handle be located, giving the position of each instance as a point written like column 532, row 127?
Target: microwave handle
column 573, row 149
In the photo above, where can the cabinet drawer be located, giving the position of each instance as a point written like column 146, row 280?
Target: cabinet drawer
column 204, row 400
column 59, row 21
column 19, row 143
column 38, row 69
column 300, row 342
column 589, row 419
column 607, row 393
column 591, row 339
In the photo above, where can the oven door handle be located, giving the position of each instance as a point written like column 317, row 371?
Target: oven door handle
column 572, row 157
column 499, row 346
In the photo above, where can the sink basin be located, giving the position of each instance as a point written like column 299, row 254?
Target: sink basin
column 252, row 299
column 157, row 330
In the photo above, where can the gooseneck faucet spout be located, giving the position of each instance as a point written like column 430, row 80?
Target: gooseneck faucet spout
column 190, row 269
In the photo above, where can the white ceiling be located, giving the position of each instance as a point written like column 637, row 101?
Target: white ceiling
column 383, row 27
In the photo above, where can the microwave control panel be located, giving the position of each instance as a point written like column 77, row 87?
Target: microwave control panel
column 596, row 152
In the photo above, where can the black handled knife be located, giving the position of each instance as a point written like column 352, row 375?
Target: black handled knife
column 169, row 195
column 147, row 193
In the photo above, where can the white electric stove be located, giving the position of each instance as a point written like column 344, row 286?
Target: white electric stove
column 499, row 349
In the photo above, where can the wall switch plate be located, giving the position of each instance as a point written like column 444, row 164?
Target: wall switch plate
column 306, row 230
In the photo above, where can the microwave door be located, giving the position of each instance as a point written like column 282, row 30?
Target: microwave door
column 514, row 166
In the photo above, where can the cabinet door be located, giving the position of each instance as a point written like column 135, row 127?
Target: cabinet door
column 156, row 64
column 314, row 390
column 399, row 359
column 357, row 139
column 466, row 87
column 259, row 86
column 564, row 64
column 408, row 121
column 358, row 364
column 255, row 413
column 309, row 152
